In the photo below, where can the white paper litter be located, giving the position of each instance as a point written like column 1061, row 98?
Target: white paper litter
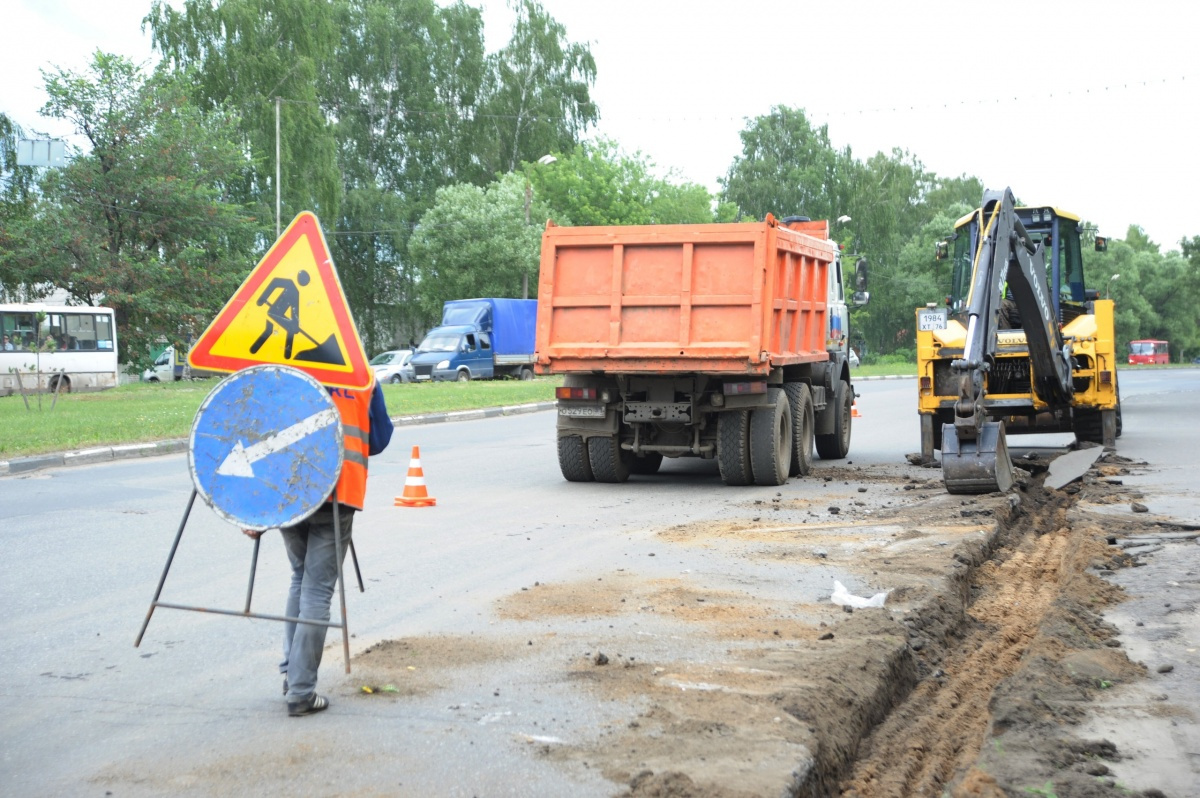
column 844, row 597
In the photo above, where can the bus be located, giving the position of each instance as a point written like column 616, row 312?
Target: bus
column 57, row 347
column 1143, row 352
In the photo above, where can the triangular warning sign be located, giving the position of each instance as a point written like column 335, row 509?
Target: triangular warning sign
column 290, row 311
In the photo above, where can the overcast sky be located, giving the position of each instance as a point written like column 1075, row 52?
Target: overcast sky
column 1089, row 106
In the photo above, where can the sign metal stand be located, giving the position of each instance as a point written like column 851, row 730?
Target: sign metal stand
column 288, row 470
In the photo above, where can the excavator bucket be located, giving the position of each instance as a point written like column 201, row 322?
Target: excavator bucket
column 976, row 466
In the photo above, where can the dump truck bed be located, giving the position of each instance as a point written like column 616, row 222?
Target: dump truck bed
column 714, row 298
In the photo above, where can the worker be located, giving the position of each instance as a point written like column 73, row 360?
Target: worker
column 311, row 545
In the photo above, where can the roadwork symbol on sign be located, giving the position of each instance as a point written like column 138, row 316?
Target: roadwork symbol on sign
column 290, row 311
column 266, row 447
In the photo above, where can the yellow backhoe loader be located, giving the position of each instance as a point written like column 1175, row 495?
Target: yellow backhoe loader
column 1022, row 346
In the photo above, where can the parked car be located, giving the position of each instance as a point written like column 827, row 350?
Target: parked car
column 167, row 367
column 853, row 359
column 389, row 366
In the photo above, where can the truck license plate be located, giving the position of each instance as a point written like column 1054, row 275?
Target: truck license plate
column 932, row 319
column 581, row 411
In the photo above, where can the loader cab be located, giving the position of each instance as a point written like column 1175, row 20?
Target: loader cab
column 1058, row 232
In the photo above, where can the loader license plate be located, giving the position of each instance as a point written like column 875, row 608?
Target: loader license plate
column 581, row 411
column 931, row 319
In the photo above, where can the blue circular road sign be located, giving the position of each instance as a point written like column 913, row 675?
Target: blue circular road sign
column 266, row 447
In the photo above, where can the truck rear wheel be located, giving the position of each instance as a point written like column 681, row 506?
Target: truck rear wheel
column 526, row 373
column 610, row 463
column 733, row 447
column 800, row 398
column 771, row 439
column 836, row 444
column 573, row 459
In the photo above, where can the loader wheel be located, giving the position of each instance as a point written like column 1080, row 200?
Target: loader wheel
column 733, row 447
column 610, row 463
column 646, row 464
column 836, row 445
column 800, row 398
column 573, row 459
column 1119, row 423
column 931, row 436
column 1088, row 426
column 771, row 439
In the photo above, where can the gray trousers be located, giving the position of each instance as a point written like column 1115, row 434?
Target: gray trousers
column 311, row 548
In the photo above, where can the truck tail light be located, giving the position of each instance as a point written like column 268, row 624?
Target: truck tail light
column 926, row 383
column 738, row 388
column 1106, row 378
column 575, row 393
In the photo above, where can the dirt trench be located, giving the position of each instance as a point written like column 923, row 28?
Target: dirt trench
column 978, row 700
column 994, row 712
column 968, row 683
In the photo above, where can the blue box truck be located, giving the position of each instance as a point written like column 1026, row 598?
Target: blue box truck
column 479, row 339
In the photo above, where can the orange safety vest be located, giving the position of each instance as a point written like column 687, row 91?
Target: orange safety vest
column 355, row 410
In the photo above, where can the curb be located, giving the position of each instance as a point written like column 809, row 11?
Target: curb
column 25, row 465
column 101, row 454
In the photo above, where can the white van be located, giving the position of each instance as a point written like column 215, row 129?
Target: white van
column 164, row 368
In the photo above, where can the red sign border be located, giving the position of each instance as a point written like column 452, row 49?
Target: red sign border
column 304, row 225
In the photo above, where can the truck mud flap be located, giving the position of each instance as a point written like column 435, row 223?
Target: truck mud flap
column 976, row 466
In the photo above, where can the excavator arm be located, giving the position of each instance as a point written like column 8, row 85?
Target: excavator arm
column 974, row 453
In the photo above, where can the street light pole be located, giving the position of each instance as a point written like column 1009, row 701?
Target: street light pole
column 278, row 102
column 525, row 275
column 545, row 160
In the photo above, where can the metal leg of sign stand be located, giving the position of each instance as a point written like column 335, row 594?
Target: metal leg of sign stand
column 253, row 568
column 163, row 579
column 337, row 537
column 358, row 573
column 245, row 613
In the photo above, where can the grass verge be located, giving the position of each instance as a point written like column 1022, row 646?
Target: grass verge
column 884, row 370
column 143, row 412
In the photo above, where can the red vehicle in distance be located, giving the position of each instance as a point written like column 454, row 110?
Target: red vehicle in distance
column 1148, row 352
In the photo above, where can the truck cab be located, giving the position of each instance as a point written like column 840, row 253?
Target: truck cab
column 479, row 339
column 459, row 352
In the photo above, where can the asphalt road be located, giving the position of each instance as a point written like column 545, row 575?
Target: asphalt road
column 196, row 709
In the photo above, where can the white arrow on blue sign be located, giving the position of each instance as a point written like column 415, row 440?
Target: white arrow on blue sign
column 266, row 447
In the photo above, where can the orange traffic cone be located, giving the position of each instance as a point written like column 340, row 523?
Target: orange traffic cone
column 854, row 410
column 415, row 494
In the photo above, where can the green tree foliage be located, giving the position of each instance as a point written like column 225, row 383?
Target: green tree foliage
column 599, row 184
column 474, row 242
column 1156, row 293
column 384, row 103
column 537, row 94
column 788, row 167
column 487, row 241
column 140, row 223
column 408, row 75
column 17, row 193
column 888, row 208
column 243, row 54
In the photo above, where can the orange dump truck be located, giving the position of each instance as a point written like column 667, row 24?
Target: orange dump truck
column 725, row 341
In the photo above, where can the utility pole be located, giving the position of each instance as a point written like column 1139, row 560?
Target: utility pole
column 525, row 275
column 278, row 103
